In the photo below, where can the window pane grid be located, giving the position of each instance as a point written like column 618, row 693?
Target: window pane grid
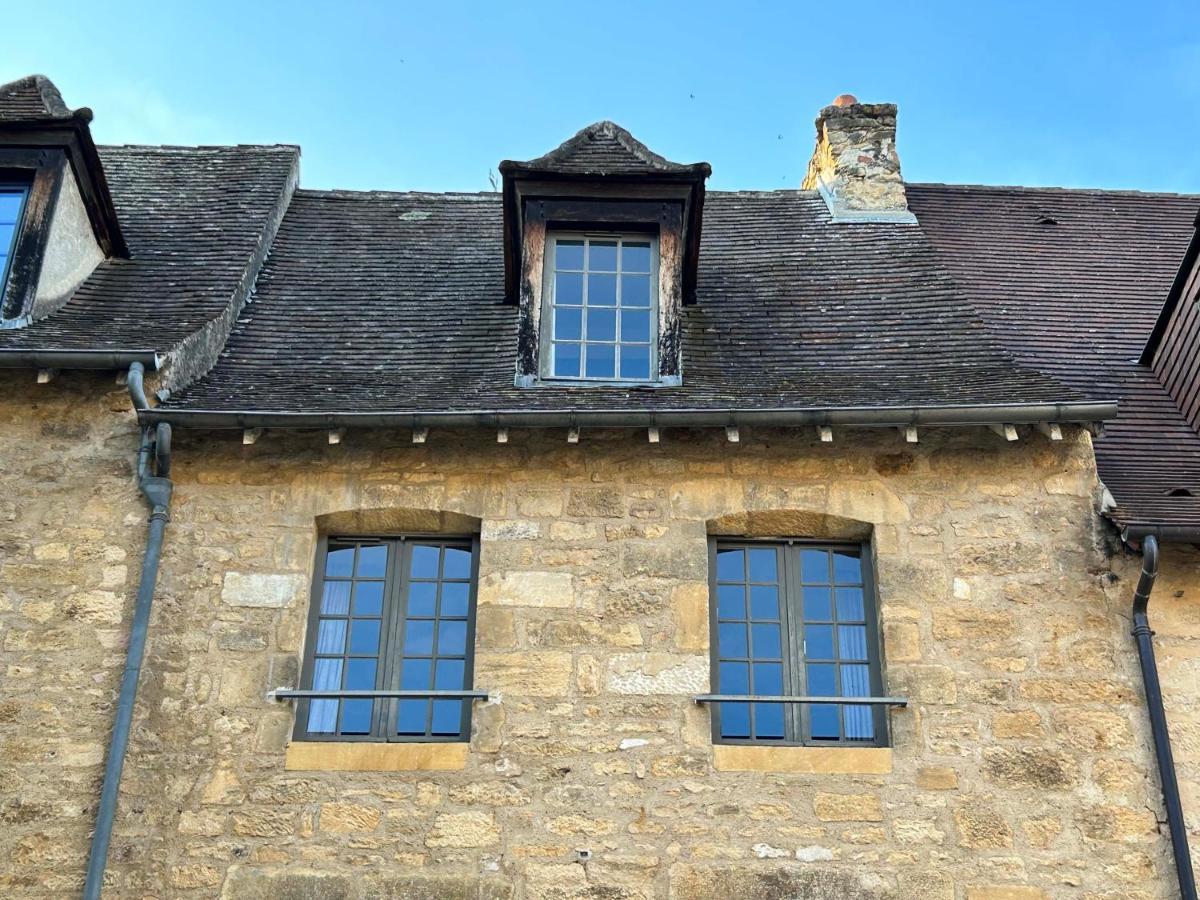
column 601, row 313
column 829, row 652
column 396, row 615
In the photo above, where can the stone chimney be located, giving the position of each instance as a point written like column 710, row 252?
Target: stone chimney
column 855, row 165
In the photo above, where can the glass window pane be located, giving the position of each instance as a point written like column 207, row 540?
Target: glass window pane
column 850, row 604
column 364, row 636
column 735, row 720
column 731, row 640
column 568, row 289
column 847, row 568
column 452, row 638
column 766, row 641
column 763, row 565
column 447, row 717
column 816, row 604
column 768, row 678
column 360, row 674
column 336, row 601
column 601, row 324
column 635, row 362
column 635, row 256
column 322, row 716
column 852, row 641
column 411, row 715
column 734, row 678
column 454, row 599
column 602, row 290
column 449, row 675
column 568, row 323
column 339, row 563
column 600, row 360
column 764, row 602
column 602, row 256
column 418, row 637
column 818, row 642
column 566, row 360
column 424, row 561
column 568, row 254
column 456, row 563
column 814, row 566
column 10, row 208
column 372, row 562
column 635, row 325
column 368, row 598
column 327, row 675
column 731, row 565
column 825, row 723
column 860, row 724
column 356, row 716
column 731, row 601
column 822, row 680
column 768, row 720
column 7, row 233
column 635, row 291
column 856, row 681
column 331, row 636
column 422, row 597
column 415, row 675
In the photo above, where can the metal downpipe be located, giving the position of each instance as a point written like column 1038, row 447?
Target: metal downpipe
column 1158, row 720
column 156, row 486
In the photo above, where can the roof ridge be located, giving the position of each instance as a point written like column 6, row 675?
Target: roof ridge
column 1051, row 189
column 47, row 94
column 166, row 148
column 353, row 194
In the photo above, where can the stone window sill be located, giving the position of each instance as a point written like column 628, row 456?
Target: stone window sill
column 803, row 760
column 346, row 756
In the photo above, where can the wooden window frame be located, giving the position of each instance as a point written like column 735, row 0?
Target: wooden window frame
column 797, row 716
column 8, row 186
column 549, row 307
column 391, row 642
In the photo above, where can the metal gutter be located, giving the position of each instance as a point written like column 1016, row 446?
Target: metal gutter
column 79, row 359
column 1158, row 721
column 1174, row 534
column 985, row 414
column 153, row 469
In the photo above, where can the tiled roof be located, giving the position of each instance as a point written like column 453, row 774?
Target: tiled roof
column 394, row 302
column 605, row 148
column 194, row 219
column 31, row 97
column 1072, row 282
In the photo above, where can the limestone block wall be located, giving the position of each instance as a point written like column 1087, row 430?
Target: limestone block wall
column 1022, row 769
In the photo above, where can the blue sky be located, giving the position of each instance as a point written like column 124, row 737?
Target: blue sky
column 431, row 96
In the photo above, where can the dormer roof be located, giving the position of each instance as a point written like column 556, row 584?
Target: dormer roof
column 605, row 149
column 32, row 97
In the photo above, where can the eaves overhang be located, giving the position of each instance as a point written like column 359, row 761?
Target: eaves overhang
column 966, row 415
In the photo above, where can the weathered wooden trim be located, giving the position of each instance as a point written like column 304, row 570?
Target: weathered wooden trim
column 43, row 171
column 670, row 297
column 533, row 253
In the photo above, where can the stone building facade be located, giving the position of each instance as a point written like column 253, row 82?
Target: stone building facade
column 1022, row 766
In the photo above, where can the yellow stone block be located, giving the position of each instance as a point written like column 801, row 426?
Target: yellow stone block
column 344, row 756
column 803, row 760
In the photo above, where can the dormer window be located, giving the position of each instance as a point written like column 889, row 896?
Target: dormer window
column 603, row 305
column 12, row 207
column 602, row 242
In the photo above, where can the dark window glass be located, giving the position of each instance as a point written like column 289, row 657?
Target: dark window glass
column 794, row 620
column 12, row 205
column 602, row 324
column 392, row 615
